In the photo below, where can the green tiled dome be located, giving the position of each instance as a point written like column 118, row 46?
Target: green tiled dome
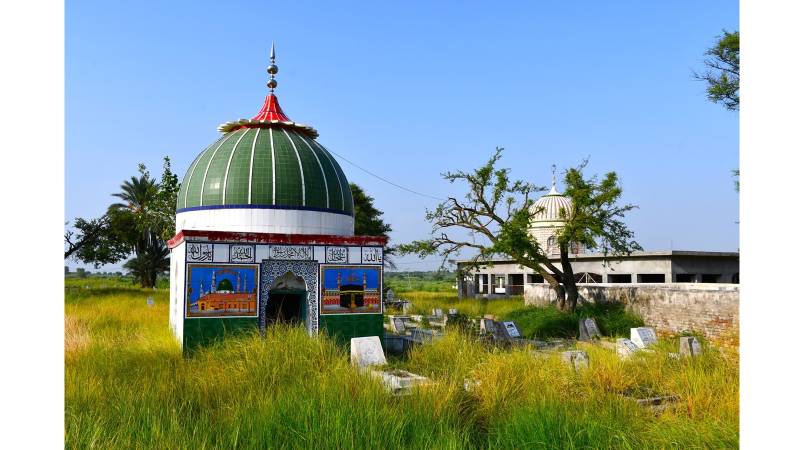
column 266, row 164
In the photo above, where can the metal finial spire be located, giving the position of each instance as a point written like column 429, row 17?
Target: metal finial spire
column 272, row 69
column 553, row 187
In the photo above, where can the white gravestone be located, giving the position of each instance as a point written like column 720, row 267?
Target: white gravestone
column 690, row 346
column 626, row 347
column 366, row 351
column 588, row 330
column 511, row 329
column 452, row 311
column 390, row 295
column 150, row 301
column 437, row 312
column 643, row 337
column 578, row 359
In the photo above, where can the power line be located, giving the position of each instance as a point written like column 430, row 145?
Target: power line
column 387, row 181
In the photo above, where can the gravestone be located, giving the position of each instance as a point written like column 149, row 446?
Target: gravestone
column 390, row 296
column 452, row 311
column 511, row 329
column 588, row 330
column 399, row 382
column 626, row 347
column 690, row 346
column 150, row 302
column 437, row 312
column 422, row 336
column 578, row 359
column 398, row 324
column 490, row 316
column 487, row 326
column 643, row 337
column 366, row 351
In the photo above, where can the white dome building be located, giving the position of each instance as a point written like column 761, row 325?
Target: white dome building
column 550, row 214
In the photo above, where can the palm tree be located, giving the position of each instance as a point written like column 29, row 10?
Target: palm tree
column 151, row 253
column 137, row 193
column 150, row 261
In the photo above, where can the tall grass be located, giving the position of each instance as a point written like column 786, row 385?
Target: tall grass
column 127, row 385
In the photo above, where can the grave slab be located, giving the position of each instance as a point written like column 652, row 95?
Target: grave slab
column 588, row 330
column 399, row 382
column 578, row 359
column 690, row 346
column 626, row 348
column 643, row 337
column 366, row 351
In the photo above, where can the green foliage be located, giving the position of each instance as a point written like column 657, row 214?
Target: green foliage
column 369, row 220
column 722, row 76
column 96, row 240
column 596, row 220
column 149, row 262
column 140, row 224
column 545, row 322
column 494, row 210
column 497, row 211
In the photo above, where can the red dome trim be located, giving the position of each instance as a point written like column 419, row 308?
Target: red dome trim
column 271, row 110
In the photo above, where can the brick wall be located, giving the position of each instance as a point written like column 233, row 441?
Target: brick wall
column 711, row 309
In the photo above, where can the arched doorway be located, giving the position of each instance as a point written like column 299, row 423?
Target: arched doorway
column 286, row 300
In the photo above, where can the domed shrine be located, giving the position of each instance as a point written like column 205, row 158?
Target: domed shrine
column 549, row 214
column 264, row 203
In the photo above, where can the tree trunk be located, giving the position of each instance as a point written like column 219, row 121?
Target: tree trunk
column 568, row 278
column 554, row 285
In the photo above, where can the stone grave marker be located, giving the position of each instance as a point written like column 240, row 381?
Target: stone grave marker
column 422, row 336
column 643, row 337
column 150, row 302
column 366, row 351
column 490, row 316
column 452, row 311
column 399, row 382
column 588, row 330
column 398, row 324
column 511, row 329
column 626, row 347
column 578, row 359
column 487, row 326
column 690, row 346
column 390, row 295
column 437, row 312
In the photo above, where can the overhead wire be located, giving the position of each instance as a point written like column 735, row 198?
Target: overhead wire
column 388, row 181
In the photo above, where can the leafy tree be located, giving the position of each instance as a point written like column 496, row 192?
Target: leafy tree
column 499, row 211
column 95, row 241
column 139, row 225
column 722, row 76
column 369, row 221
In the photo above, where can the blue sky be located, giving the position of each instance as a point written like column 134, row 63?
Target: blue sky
column 409, row 90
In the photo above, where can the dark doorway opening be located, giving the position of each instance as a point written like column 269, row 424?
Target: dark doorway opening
column 285, row 307
column 619, row 278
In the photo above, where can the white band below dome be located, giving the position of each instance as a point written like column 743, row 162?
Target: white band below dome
column 253, row 220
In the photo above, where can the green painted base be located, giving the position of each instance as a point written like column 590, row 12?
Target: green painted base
column 202, row 332
column 343, row 327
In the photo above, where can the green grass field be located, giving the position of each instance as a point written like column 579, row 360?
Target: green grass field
column 128, row 386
